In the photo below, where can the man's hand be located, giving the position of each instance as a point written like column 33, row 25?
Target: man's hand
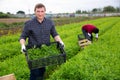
column 61, row 42
column 58, row 39
column 23, row 48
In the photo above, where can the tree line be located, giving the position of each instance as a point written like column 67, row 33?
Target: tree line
column 95, row 10
column 100, row 10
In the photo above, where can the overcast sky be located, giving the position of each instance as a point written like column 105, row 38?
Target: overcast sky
column 55, row 6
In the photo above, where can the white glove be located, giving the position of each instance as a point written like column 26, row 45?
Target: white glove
column 96, row 35
column 23, row 48
column 89, row 34
column 61, row 42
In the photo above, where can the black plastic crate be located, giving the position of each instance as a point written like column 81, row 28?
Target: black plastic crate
column 81, row 37
column 55, row 59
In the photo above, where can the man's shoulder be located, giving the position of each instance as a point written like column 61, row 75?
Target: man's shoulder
column 48, row 19
column 29, row 21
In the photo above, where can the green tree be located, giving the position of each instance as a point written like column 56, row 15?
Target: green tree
column 117, row 9
column 109, row 9
column 84, row 12
column 3, row 15
column 78, row 12
column 95, row 10
column 8, row 13
column 20, row 12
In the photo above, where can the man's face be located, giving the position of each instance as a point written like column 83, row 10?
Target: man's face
column 40, row 13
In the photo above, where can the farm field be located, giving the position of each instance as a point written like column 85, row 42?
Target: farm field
column 16, row 20
column 98, row 61
column 14, row 25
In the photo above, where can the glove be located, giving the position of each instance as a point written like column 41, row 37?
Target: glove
column 89, row 34
column 23, row 48
column 62, row 44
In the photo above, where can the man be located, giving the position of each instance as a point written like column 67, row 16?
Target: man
column 38, row 31
column 88, row 29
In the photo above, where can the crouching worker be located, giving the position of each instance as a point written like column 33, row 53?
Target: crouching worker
column 88, row 29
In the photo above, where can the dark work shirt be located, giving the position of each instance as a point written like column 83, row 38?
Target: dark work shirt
column 38, row 33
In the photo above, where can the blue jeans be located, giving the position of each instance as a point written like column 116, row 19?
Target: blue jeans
column 37, row 74
column 87, row 36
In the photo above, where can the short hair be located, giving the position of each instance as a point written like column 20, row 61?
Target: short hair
column 39, row 5
column 96, row 30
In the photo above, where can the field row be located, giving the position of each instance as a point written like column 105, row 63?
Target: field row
column 11, row 55
column 99, row 61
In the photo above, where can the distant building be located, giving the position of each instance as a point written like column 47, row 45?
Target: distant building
column 20, row 15
column 49, row 15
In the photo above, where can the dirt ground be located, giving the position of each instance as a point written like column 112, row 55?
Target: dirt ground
column 12, row 20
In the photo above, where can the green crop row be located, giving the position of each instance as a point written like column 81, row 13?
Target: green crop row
column 99, row 61
column 17, row 63
column 15, row 24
